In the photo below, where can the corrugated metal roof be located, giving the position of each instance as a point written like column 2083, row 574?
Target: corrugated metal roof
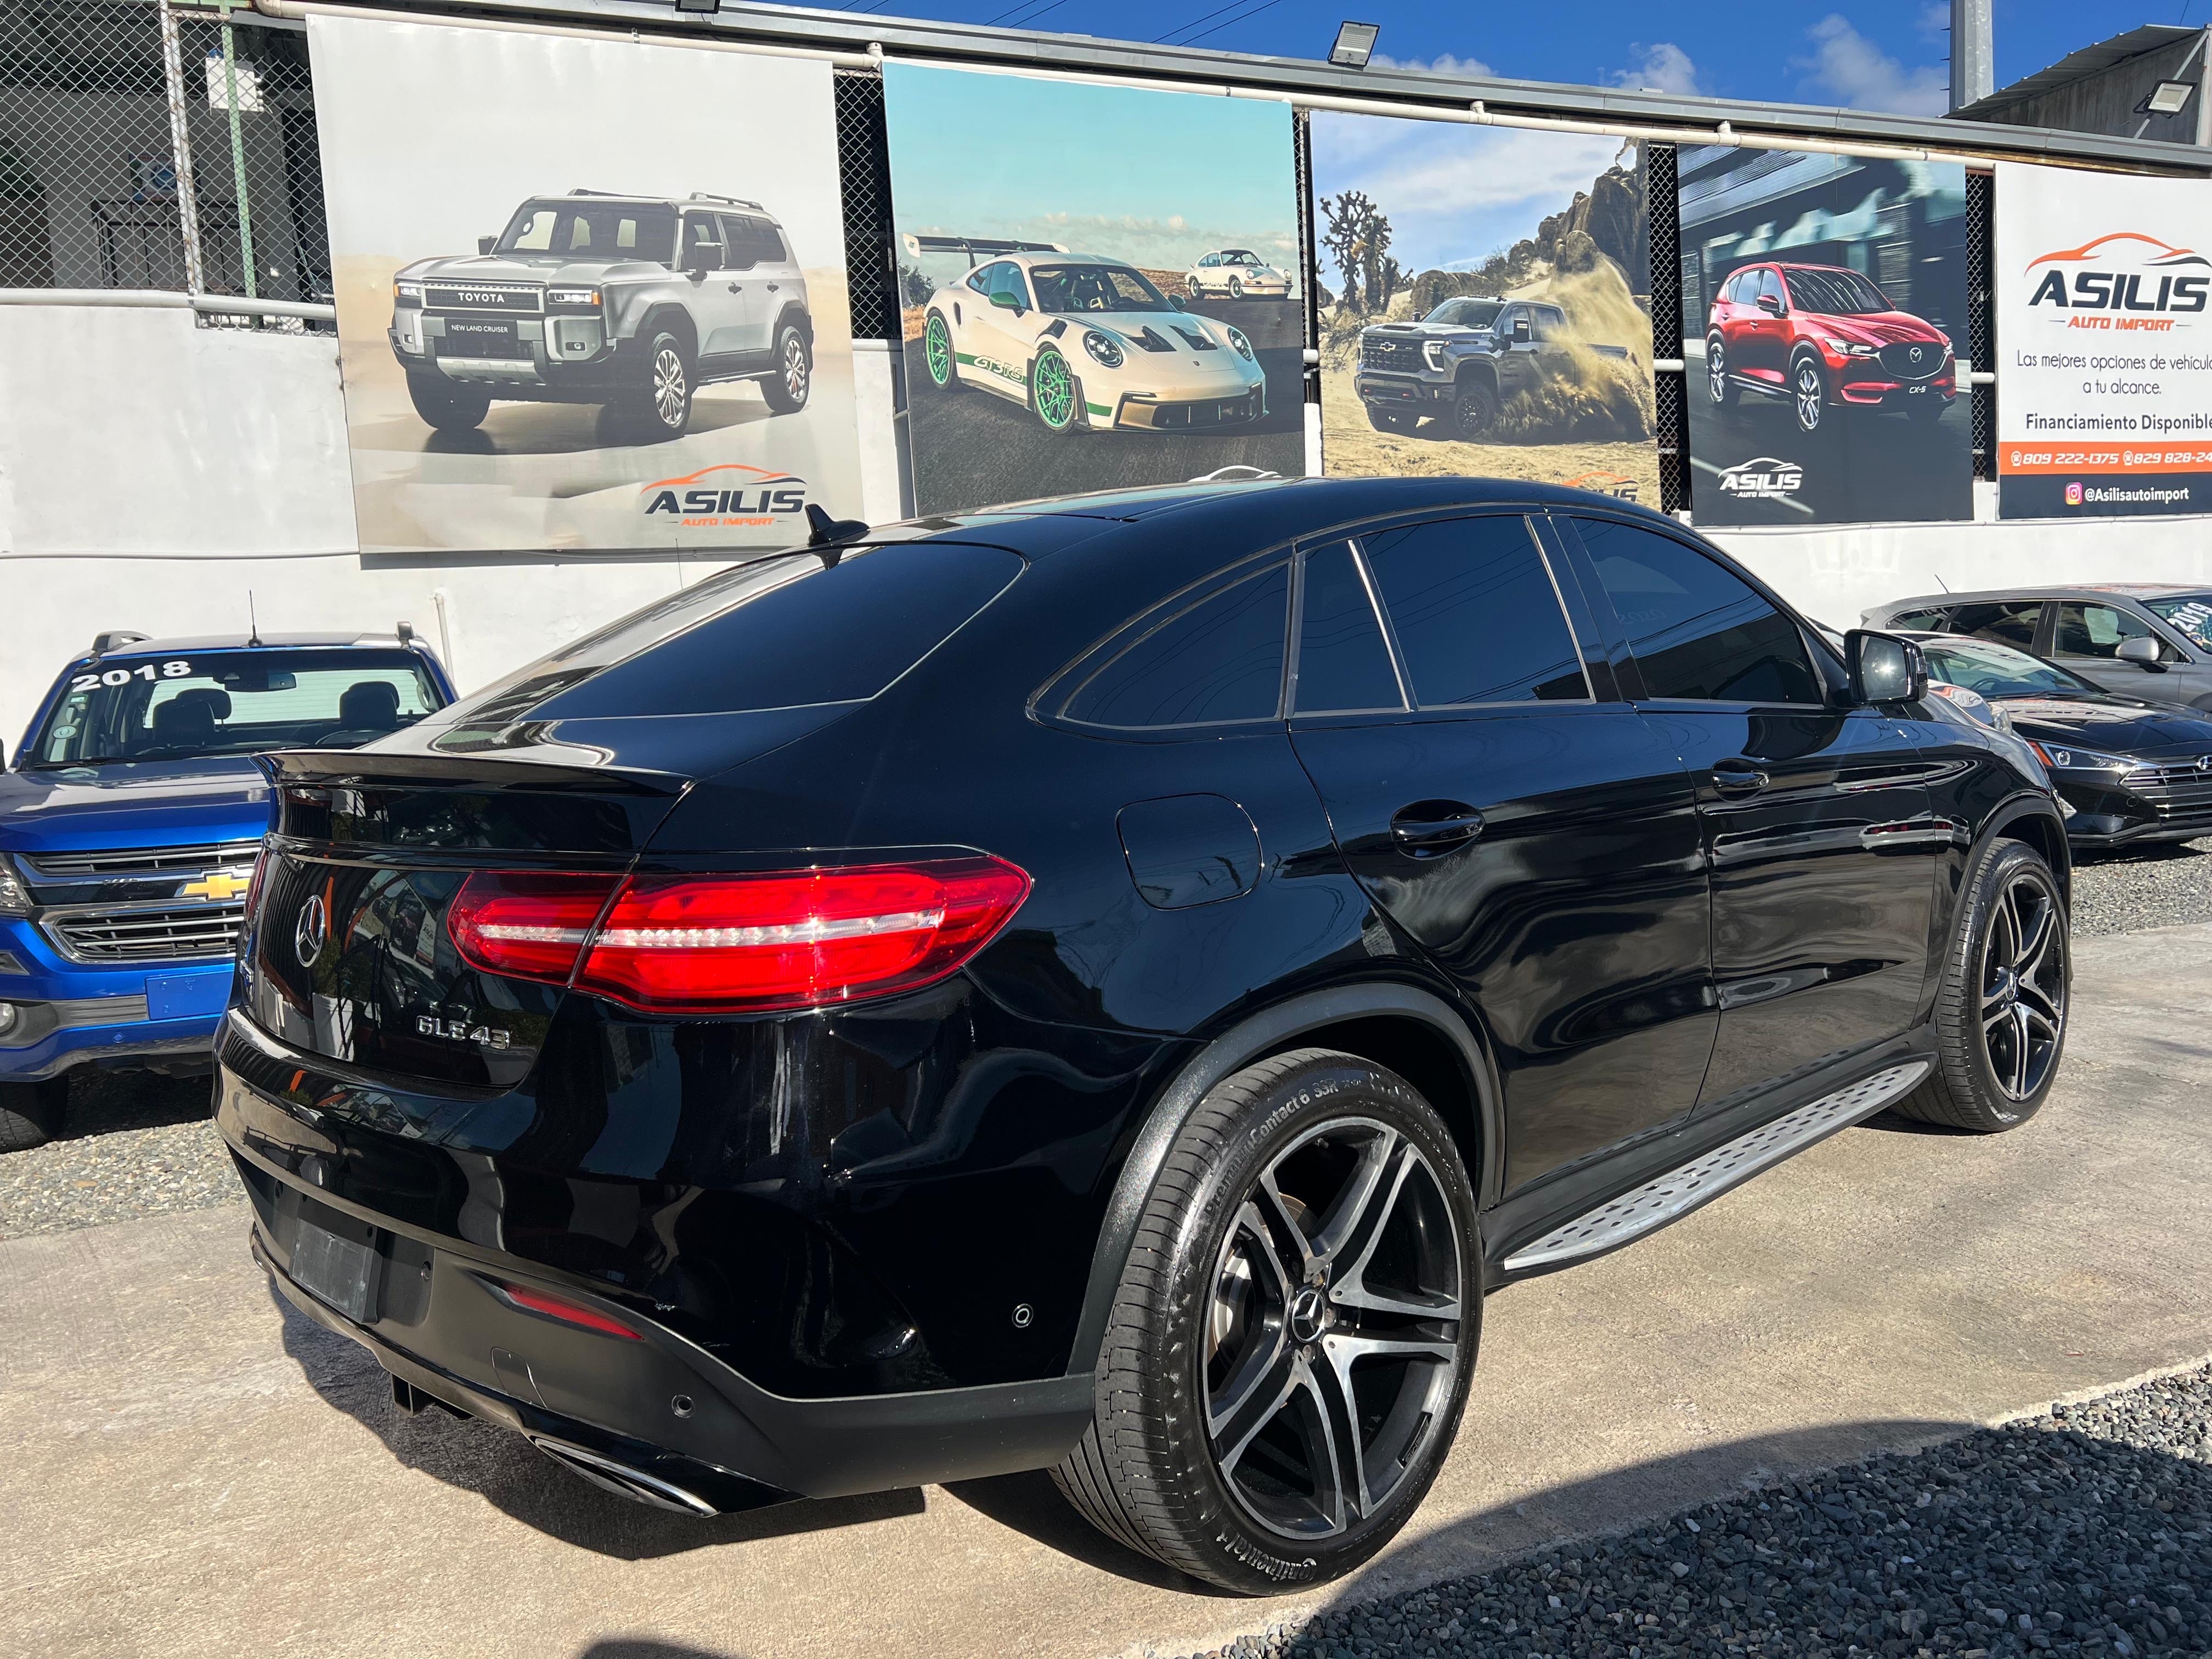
column 2075, row 66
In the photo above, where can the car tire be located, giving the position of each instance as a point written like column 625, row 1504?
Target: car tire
column 31, row 1113
column 1392, row 419
column 1229, row 1322
column 1236, row 288
column 2001, row 1012
column 1055, row 394
column 786, row 389
column 661, row 400
column 1808, row 393
column 1718, row 387
column 938, row 356
column 1474, row 410
column 446, row 407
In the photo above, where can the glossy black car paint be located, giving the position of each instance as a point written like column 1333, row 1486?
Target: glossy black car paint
column 881, row 1236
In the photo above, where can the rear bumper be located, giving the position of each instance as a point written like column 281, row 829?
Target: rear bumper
column 437, row 1326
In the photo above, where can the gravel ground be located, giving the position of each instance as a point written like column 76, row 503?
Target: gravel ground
column 2160, row 887
column 134, row 1144
column 2086, row 1531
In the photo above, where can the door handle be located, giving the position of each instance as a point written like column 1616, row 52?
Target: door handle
column 1738, row 777
column 1428, row 828
column 771, row 288
column 736, row 288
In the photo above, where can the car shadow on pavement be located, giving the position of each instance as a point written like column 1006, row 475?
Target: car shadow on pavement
column 507, row 1473
column 1029, row 1504
column 101, row 1101
column 646, row 1647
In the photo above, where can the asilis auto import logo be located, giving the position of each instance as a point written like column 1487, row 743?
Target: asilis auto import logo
column 728, row 497
column 2153, row 278
column 1763, row 480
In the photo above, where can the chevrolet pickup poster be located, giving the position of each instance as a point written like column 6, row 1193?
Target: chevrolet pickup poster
column 1824, row 323
column 1485, row 306
column 2105, row 385
column 591, row 293
column 1099, row 285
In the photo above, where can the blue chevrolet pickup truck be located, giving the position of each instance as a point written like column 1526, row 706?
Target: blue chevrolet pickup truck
column 129, row 826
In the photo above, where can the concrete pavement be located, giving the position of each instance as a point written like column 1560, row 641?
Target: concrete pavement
column 186, row 1468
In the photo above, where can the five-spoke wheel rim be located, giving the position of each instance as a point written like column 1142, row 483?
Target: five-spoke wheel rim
column 2023, row 987
column 669, row 392
column 1809, row 397
column 1716, row 372
column 1055, row 390
column 1331, row 1347
column 794, row 370
column 937, row 349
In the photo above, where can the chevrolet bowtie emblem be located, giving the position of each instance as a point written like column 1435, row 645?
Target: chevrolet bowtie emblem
column 220, row 885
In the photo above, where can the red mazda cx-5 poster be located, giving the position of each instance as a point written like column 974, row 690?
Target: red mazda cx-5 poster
column 1824, row 316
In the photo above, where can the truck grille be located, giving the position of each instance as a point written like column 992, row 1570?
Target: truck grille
column 528, row 301
column 168, row 932
column 1897, row 359
column 2179, row 793
column 1383, row 352
column 139, row 861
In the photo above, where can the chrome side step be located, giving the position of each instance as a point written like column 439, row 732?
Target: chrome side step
column 1704, row 1178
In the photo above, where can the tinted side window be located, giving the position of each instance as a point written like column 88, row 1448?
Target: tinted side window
column 1477, row 617
column 1343, row 663
column 790, row 633
column 1698, row 630
column 2014, row 621
column 1219, row 659
column 2096, row 630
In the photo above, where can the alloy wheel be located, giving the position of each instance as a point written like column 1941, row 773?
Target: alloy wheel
column 1808, row 398
column 1717, row 372
column 937, row 349
column 1054, row 389
column 794, row 369
column 1332, row 1340
column 669, row 394
column 2023, row 981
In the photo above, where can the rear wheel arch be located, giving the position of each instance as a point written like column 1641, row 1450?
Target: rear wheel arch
column 794, row 315
column 1412, row 1031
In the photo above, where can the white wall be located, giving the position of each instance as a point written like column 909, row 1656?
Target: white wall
column 152, row 472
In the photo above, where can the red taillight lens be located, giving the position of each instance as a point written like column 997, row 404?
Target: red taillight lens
column 567, row 1312
column 527, row 925
column 736, row 944
column 726, row 944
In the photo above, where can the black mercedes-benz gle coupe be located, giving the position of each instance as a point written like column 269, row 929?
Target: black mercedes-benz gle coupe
column 1110, row 985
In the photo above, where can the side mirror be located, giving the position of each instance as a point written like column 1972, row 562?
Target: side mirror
column 2140, row 650
column 1520, row 330
column 700, row 257
column 1006, row 301
column 486, row 244
column 1175, row 300
column 1884, row 668
column 1769, row 304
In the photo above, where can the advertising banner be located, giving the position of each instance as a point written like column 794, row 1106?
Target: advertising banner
column 2105, row 376
column 1099, row 284
column 1824, row 308
column 591, row 293
column 1490, row 311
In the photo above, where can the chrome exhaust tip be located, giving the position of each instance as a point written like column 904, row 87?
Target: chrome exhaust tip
column 610, row 1475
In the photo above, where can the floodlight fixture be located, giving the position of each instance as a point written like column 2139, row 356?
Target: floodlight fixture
column 2168, row 97
column 1355, row 45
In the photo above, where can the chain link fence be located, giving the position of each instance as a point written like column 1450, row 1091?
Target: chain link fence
column 136, row 157
column 865, row 172
column 1669, row 391
column 1981, row 316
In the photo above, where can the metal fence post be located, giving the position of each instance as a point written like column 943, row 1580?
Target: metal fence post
column 180, row 146
column 238, row 152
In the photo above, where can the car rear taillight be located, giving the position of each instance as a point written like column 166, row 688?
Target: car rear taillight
column 738, row 943
column 559, row 1307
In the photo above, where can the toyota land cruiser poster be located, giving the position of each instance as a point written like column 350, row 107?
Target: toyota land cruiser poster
column 591, row 293
column 1487, row 306
column 1099, row 285
column 1824, row 316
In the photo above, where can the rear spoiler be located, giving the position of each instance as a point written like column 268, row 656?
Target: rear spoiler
column 514, row 767
column 976, row 248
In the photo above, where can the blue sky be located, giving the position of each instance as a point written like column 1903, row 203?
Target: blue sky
column 1870, row 54
column 1154, row 178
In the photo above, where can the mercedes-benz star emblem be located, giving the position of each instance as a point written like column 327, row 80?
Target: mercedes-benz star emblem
column 2204, row 762
column 310, row 930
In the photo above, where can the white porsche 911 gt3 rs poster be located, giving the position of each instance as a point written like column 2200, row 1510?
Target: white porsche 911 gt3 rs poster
column 1081, row 316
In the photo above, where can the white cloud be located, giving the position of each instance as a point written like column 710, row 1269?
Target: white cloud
column 1848, row 69
column 1451, row 173
column 1472, row 69
column 1661, row 67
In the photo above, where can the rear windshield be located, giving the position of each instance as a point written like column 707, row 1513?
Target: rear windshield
column 779, row 632
column 192, row 703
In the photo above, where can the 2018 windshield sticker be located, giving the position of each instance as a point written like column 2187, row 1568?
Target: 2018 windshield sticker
column 172, row 669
